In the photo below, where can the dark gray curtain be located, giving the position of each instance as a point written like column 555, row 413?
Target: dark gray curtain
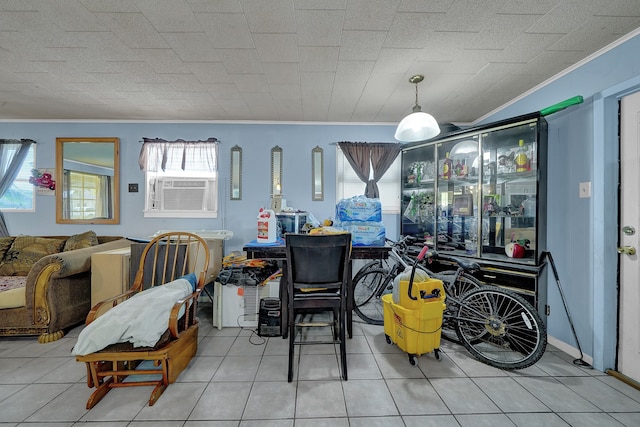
column 12, row 155
column 382, row 157
column 362, row 155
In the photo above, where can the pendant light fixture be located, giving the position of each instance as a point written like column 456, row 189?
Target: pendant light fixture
column 417, row 126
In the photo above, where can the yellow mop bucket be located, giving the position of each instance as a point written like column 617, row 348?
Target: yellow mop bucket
column 415, row 330
column 415, row 323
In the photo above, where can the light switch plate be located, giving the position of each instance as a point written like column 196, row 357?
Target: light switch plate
column 584, row 190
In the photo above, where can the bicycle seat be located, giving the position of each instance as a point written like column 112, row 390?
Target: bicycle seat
column 463, row 263
column 467, row 265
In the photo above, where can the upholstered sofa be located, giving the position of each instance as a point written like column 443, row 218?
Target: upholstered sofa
column 45, row 282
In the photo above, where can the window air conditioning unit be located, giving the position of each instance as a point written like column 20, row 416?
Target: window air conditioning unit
column 184, row 194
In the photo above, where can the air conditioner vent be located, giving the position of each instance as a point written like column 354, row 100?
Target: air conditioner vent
column 183, row 194
column 184, row 183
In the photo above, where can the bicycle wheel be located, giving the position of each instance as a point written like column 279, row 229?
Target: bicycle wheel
column 454, row 289
column 500, row 328
column 368, row 288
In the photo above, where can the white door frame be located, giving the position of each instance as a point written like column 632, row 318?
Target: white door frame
column 605, row 222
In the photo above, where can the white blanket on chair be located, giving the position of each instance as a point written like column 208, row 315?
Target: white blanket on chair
column 140, row 320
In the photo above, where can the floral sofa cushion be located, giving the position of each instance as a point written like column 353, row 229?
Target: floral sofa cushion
column 5, row 244
column 25, row 251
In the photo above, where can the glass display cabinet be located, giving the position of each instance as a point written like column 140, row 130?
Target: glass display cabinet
column 481, row 193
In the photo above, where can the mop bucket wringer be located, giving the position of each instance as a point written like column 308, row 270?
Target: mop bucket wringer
column 414, row 324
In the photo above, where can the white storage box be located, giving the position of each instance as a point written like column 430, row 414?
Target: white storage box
column 238, row 306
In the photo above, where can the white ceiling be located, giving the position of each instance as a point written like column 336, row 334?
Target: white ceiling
column 290, row 60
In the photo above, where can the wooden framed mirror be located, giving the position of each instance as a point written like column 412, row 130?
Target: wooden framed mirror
column 87, row 176
column 276, row 171
column 236, row 173
column 317, row 174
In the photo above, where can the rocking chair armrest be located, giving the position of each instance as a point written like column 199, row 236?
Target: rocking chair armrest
column 104, row 305
column 189, row 314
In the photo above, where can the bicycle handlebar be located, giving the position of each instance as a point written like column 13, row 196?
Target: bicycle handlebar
column 407, row 241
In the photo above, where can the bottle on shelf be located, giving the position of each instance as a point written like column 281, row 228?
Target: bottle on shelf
column 458, row 169
column 465, row 168
column 447, row 167
column 521, row 159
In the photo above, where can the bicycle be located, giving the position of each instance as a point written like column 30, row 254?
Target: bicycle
column 497, row 326
column 376, row 278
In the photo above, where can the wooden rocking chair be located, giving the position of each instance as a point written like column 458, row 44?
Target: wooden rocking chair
column 165, row 258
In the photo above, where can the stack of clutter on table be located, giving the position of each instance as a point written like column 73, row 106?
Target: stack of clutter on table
column 362, row 217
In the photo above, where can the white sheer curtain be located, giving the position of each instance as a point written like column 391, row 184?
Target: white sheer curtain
column 103, row 201
column 12, row 154
column 158, row 154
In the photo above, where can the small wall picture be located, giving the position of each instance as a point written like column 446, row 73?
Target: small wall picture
column 43, row 180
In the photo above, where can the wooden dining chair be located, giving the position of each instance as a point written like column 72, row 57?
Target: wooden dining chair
column 317, row 280
column 169, row 256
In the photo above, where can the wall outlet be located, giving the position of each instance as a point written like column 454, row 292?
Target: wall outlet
column 133, row 188
column 584, row 190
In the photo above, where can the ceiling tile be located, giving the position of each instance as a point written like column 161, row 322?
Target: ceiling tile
column 276, row 47
column 370, row 15
column 133, row 29
column 282, row 73
column 238, row 61
column 319, row 27
column 192, row 47
column 226, row 31
column 169, row 16
column 361, row 45
column 218, row 6
column 318, row 58
column 273, row 16
column 290, row 60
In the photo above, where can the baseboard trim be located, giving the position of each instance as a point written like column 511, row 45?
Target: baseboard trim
column 622, row 377
column 570, row 350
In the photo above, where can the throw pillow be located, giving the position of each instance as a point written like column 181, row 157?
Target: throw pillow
column 26, row 251
column 5, row 244
column 81, row 241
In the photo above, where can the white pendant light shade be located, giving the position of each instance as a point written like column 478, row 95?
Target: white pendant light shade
column 417, row 126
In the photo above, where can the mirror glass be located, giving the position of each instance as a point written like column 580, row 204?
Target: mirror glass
column 276, row 171
column 317, row 178
column 87, row 176
column 236, row 173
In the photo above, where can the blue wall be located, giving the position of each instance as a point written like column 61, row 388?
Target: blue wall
column 256, row 140
column 582, row 233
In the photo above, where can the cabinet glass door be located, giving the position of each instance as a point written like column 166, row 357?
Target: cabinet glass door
column 509, row 188
column 457, row 195
column 418, row 192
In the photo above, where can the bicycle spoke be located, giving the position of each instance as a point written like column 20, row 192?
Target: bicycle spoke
column 368, row 290
column 500, row 328
column 456, row 284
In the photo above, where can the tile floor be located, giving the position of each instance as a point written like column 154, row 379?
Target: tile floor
column 240, row 379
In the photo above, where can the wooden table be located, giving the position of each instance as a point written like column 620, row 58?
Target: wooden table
column 278, row 253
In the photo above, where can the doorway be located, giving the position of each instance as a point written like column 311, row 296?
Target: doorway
column 628, row 347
